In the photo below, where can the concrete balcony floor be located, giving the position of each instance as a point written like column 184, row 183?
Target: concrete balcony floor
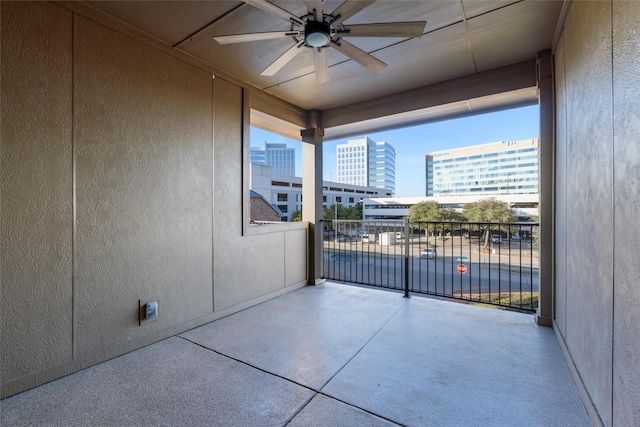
column 330, row 355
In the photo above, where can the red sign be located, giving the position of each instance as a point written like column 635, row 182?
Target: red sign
column 462, row 268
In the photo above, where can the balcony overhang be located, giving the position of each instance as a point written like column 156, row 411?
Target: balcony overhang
column 502, row 88
column 498, row 89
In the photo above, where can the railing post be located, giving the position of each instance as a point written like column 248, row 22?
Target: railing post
column 406, row 259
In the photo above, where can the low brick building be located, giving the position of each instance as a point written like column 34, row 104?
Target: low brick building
column 262, row 210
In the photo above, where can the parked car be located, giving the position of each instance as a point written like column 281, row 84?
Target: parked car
column 429, row 253
column 496, row 239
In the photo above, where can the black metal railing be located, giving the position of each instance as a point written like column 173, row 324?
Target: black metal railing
column 488, row 263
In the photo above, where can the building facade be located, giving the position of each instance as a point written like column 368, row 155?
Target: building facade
column 522, row 205
column 285, row 192
column 497, row 168
column 278, row 156
column 366, row 163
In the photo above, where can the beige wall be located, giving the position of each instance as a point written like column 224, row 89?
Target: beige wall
column 598, row 203
column 121, row 180
column 36, row 189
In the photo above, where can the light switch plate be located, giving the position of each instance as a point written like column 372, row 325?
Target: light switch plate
column 144, row 310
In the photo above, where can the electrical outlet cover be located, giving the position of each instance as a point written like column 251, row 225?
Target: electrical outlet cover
column 148, row 309
column 151, row 310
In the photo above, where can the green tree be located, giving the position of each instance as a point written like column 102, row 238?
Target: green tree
column 335, row 211
column 425, row 211
column 353, row 213
column 430, row 216
column 488, row 210
column 329, row 215
column 450, row 214
column 296, row 216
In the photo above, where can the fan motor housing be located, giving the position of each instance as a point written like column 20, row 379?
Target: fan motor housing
column 317, row 33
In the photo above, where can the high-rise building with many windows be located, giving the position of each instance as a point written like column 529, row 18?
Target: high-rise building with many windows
column 277, row 155
column 367, row 163
column 488, row 169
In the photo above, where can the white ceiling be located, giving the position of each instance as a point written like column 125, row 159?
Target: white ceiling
column 462, row 38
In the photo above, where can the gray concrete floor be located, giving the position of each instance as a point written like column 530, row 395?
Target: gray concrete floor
column 330, row 355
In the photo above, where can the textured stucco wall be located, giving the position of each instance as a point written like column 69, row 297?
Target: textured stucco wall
column 121, row 180
column 598, row 200
column 36, row 189
column 589, row 186
column 561, row 218
column 244, row 268
column 626, row 202
column 143, row 129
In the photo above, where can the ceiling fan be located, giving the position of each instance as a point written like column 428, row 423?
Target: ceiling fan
column 319, row 30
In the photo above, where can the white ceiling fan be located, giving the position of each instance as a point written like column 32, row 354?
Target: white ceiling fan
column 319, row 30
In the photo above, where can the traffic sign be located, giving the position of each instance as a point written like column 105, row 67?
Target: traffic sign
column 462, row 268
column 462, row 259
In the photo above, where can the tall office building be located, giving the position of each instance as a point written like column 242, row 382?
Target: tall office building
column 367, row 163
column 281, row 158
column 488, row 169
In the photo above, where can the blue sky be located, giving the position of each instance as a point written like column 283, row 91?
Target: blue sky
column 412, row 143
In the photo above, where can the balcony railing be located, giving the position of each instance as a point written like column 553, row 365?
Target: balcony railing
column 488, row 263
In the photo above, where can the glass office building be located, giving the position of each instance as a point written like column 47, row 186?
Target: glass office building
column 367, row 163
column 488, row 169
column 281, row 158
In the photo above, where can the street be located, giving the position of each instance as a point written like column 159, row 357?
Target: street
column 510, row 267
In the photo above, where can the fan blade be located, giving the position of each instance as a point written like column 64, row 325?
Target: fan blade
column 282, row 60
column 349, row 8
column 322, row 65
column 386, row 29
column 251, row 37
column 311, row 4
column 319, row 15
column 317, row 6
column 274, row 10
column 358, row 55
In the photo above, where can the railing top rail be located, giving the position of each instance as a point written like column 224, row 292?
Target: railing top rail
column 390, row 221
column 399, row 222
column 478, row 223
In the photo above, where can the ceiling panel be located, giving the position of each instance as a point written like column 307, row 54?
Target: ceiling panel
column 247, row 60
column 514, row 33
column 438, row 56
column 478, row 7
column 169, row 21
column 496, row 33
column 438, row 14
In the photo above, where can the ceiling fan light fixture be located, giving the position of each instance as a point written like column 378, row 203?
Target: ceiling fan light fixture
column 317, row 34
column 324, row 30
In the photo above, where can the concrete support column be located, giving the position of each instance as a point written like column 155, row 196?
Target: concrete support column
column 312, row 138
column 546, row 173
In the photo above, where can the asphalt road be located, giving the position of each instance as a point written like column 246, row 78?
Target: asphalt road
column 510, row 267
